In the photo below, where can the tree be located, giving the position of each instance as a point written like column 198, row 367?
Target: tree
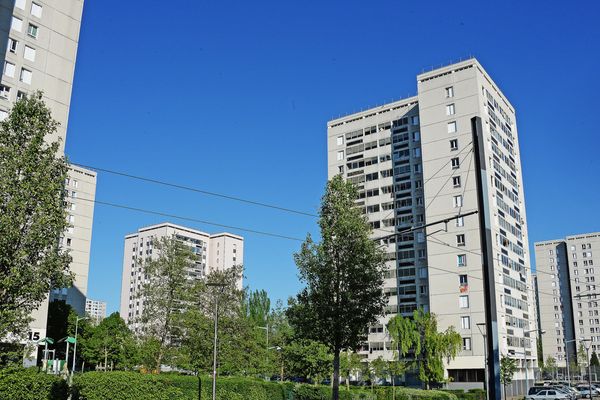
column 32, row 214
column 380, row 368
column 582, row 359
column 350, row 364
column 110, row 343
column 550, row 365
column 259, row 307
column 309, row 359
column 594, row 362
column 508, row 367
column 166, row 293
column 343, row 276
column 420, row 336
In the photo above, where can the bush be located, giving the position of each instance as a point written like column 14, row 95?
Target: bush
column 28, row 384
column 123, row 386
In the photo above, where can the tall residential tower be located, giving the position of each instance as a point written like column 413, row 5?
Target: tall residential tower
column 413, row 163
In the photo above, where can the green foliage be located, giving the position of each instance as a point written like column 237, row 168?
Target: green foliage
column 258, row 307
column 582, row 358
column 343, row 276
column 124, row 386
column 420, row 335
column 550, row 364
column 594, row 362
column 307, row 358
column 350, row 364
column 32, row 213
column 28, row 384
column 508, row 367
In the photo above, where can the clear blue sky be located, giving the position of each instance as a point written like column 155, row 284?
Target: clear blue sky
column 234, row 97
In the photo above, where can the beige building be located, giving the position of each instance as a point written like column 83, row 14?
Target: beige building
column 413, row 163
column 568, row 295
column 95, row 310
column 39, row 40
column 215, row 252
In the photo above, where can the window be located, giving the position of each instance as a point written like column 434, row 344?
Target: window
column 450, row 91
column 452, row 127
column 456, row 181
column 29, row 53
column 25, row 76
column 466, row 343
column 463, row 280
column 463, row 301
column 32, row 30
column 465, row 322
column 71, row 219
column 455, row 163
column 460, row 222
column 340, row 155
column 454, row 144
column 3, row 115
column 450, row 110
column 36, row 10
column 460, row 240
column 12, row 45
column 416, row 136
column 16, row 24
column 21, row 95
column 340, row 140
column 417, row 152
column 4, row 91
column 9, row 69
column 457, row 201
column 414, row 120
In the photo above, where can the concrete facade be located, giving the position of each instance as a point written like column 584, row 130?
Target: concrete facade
column 568, row 296
column 413, row 162
column 216, row 252
column 95, row 310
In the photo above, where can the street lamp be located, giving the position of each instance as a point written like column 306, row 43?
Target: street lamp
column 75, row 347
column 586, row 344
column 525, row 355
column 481, row 327
column 567, row 352
column 214, row 382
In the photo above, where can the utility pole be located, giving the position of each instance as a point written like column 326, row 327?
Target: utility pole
column 487, row 260
column 214, row 382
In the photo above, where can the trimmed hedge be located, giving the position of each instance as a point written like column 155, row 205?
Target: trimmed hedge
column 123, row 386
column 28, row 384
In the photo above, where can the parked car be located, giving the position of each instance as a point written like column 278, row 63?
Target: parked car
column 549, row 394
column 585, row 391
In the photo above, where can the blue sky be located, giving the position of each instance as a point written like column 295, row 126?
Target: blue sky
column 233, row 97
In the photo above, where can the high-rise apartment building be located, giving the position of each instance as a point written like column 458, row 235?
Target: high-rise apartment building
column 567, row 295
column 413, row 163
column 38, row 42
column 215, row 252
column 95, row 310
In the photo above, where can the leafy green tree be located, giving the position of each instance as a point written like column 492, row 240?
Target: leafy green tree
column 281, row 335
column 380, row 368
column 110, row 343
column 343, row 276
column 594, row 362
column 350, row 364
column 582, row 359
column 420, row 336
column 540, row 353
column 309, row 359
column 32, row 214
column 508, row 367
column 166, row 293
column 550, row 365
column 259, row 307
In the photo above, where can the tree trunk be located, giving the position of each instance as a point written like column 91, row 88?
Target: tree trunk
column 105, row 359
column 393, row 388
column 335, row 392
column 504, row 386
column 348, row 382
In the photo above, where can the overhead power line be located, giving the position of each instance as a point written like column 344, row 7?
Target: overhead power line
column 163, row 214
column 197, row 190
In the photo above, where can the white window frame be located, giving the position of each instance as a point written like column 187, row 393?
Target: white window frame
column 35, row 29
column 36, row 10
column 9, row 69
column 452, row 127
column 26, row 76
column 29, row 53
column 460, row 257
column 465, row 322
column 16, row 24
column 340, row 155
column 450, row 109
column 463, row 301
column 450, row 92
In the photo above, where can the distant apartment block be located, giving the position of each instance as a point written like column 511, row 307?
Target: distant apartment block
column 216, row 252
column 568, row 295
column 413, row 163
column 95, row 310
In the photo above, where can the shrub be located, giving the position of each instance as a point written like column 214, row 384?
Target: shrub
column 123, row 386
column 28, row 384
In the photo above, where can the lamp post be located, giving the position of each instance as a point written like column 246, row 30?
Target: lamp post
column 586, row 344
column 75, row 345
column 214, row 382
column 525, row 357
column 481, row 327
column 567, row 352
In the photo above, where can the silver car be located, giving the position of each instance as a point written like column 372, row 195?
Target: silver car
column 549, row 394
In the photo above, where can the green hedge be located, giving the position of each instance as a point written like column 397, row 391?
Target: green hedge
column 28, row 384
column 123, row 386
